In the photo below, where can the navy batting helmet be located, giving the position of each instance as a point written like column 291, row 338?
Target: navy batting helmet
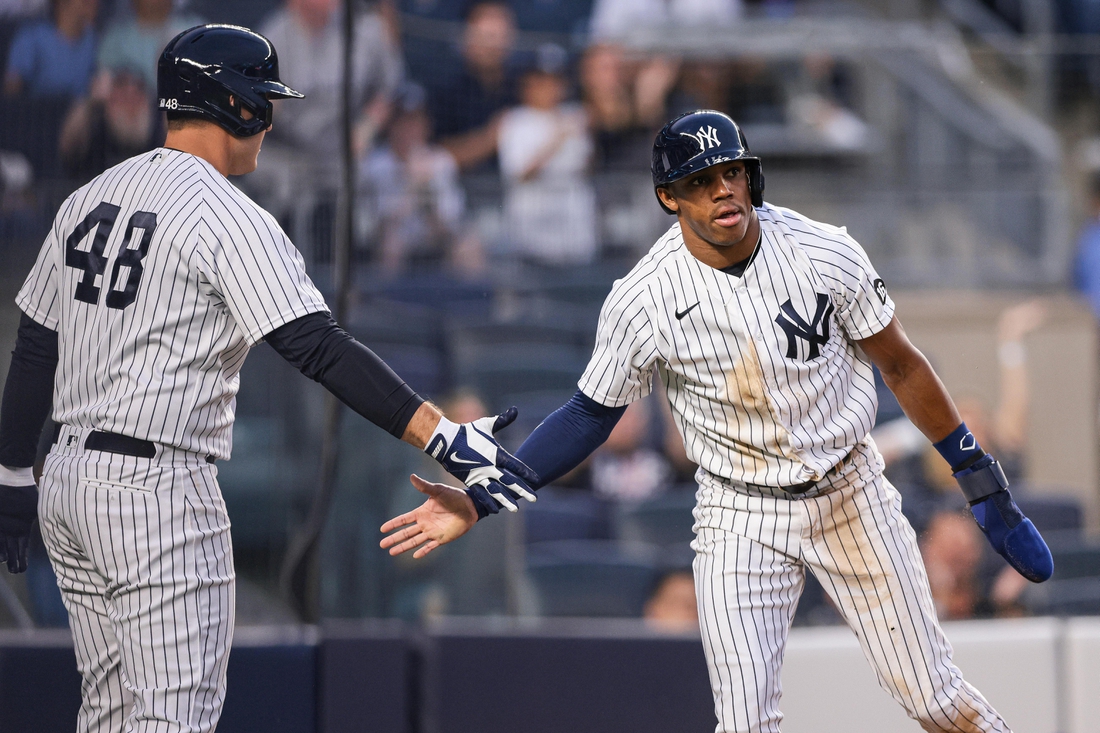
column 203, row 67
column 697, row 140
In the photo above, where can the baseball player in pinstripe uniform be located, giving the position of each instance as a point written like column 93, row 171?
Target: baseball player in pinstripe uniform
column 153, row 283
column 763, row 326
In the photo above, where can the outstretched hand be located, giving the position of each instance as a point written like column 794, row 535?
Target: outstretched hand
column 444, row 517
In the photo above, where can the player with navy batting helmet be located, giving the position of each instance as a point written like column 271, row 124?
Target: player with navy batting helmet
column 763, row 326
column 155, row 280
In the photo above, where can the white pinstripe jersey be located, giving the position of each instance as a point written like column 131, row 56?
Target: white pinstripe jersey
column 158, row 276
column 761, row 371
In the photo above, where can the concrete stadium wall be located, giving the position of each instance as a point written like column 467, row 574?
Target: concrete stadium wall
column 957, row 330
column 498, row 676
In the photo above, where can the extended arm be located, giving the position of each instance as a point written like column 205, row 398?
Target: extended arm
column 28, row 393
column 557, row 446
column 565, row 438
column 925, row 401
column 326, row 353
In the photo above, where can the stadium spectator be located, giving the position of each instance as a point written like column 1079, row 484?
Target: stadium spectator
column 466, row 111
column 1086, row 271
column 964, row 583
column 425, row 61
column 624, row 100
column 135, row 42
column 952, row 552
column 545, row 149
column 303, row 148
column 415, row 195
column 116, row 121
column 672, row 607
column 55, row 57
column 817, row 108
column 626, row 468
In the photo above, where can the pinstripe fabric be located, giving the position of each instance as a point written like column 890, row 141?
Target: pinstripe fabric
column 142, row 553
column 769, row 390
column 218, row 274
column 158, row 277
column 747, row 408
column 752, row 550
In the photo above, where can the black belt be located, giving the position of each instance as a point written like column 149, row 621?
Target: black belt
column 120, row 444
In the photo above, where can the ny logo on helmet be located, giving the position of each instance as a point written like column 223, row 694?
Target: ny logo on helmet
column 707, row 137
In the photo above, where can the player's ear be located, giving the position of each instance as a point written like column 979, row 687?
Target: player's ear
column 669, row 201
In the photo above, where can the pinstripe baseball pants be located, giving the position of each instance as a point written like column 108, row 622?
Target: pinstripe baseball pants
column 753, row 547
column 143, row 558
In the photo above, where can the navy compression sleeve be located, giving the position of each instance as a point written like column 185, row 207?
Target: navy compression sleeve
column 326, row 353
column 28, row 393
column 568, row 436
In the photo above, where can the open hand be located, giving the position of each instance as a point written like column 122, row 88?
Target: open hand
column 445, row 516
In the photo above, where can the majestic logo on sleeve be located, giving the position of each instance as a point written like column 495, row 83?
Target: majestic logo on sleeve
column 815, row 333
column 707, row 137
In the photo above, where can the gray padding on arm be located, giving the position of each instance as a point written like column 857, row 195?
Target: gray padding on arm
column 982, row 483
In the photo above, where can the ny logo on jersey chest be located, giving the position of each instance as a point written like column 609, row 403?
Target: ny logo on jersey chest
column 815, row 332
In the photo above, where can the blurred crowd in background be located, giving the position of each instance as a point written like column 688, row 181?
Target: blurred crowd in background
column 501, row 154
column 518, row 103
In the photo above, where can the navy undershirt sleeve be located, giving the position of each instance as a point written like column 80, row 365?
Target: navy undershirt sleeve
column 317, row 346
column 28, row 393
column 568, row 436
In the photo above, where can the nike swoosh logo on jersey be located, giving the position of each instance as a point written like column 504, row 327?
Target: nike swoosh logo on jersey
column 680, row 314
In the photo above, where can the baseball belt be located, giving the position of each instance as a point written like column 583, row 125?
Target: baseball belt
column 120, row 444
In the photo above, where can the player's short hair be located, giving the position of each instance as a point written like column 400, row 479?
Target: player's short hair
column 178, row 123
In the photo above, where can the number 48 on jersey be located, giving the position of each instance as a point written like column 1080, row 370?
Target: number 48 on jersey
column 93, row 262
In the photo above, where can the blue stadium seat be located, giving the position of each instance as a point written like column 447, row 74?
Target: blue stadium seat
column 592, row 577
column 1071, row 597
column 8, row 27
column 565, row 515
column 437, row 291
column 583, row 285
column 409, row 338
column 1075, row 556
column 533, row 406
column 665, row 520
column 1050, row 512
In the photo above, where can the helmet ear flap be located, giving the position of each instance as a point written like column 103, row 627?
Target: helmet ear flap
column 756, row 184
column 260, row 108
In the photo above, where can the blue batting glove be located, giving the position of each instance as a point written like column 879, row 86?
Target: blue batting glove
column 494, row 477
column 1011, row 534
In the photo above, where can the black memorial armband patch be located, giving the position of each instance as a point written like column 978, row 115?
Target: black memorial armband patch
column 880, row 289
